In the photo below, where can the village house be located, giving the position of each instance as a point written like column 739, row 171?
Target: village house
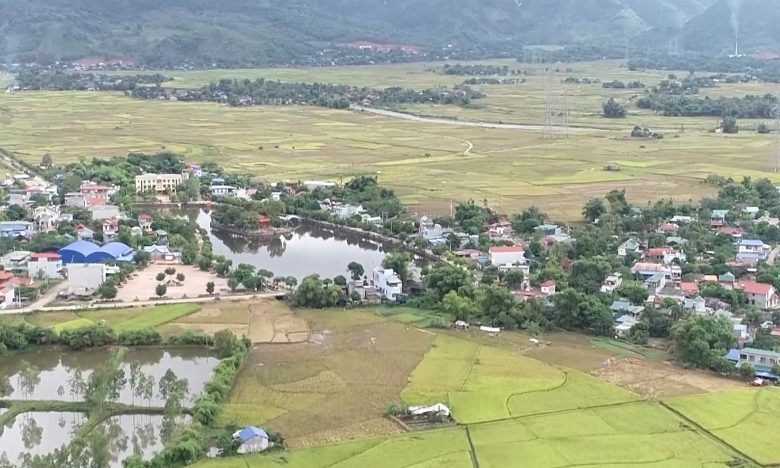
column 611, row 283
column 759, row 294
column 253, row 440
column 646, row 270
column 665, row 255
column 718, row 218
column 45, row 265
column 16, row 229
column 506, row 255
column 430, row 230
column 629, row 247
column 387, row 282
column 263, row 222
column 162, row 237
column 16, row 261
column 727, row 280
column 655, row 283
column 84, row 233
column 526, row 291
column 751, row 211
column 136, row 231
column 46, row 218
column 222, row 190
column 76, row 199
column 346, row 211
column 752, row 249
column 145, row 222
column 668, row 228
column 110, row 229
column 101, row 212
column 677, row 219
column 760, row 359
column 90, row 191
column 735, row 232
column 157, row 182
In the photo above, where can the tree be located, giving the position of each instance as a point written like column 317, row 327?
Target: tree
column 210, row 287
column 421, row 243
column 493, row 300
column 398, row 261
column 443, row 278
column 639, row 333
column 775, row 370
column 108, row 291
column 763, row 128
column 593, row 209
column 698, row 340
column 291, row 281
column 204, row 264
column 729, row 125
column 232, row 283
column 225, row 342
column 747, row 371
column 170, row 271
column 634, row 292
column 180, row 277
column 223, row 268
column 355, row 296
column 513, row 278
column 160, row 276
column 161, row 289
column 356, row 270
column 47, row 160
column 613, row 109
column 340, row 280
column 453, row 241
column 459, row 308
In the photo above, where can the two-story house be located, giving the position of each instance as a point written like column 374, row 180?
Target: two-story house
column 758, row 294
column 752, row 249
column 506, row 255
column 387, row 282
column 110, row 229
column 718, row 218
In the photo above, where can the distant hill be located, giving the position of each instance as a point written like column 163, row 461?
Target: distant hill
column 713, row 31
column 282, row 31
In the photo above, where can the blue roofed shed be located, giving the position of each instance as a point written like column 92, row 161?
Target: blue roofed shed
column 113, row 251
column 77, row 252
column 253, row 440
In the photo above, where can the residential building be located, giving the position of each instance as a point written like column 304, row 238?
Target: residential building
column 668, row 228
column 696, row 304
column 549, row 229
column 95, row 191
column 46, row 218
column 253, row 440
column 195, row 170
column 162, row 237
column 84, row 233
column 628, row 247
column 313, row 184
column 735, row 232
column 222, row 190
column 347, row 211
column 217, row 181
column 727, row 280
column 85, row 279
column 718, row 218
column 545, row 290
column 157, row 182
column 145, row 222
column 649, row 269
column 665, row 255
column 101, row 212
column 110, row 229
column 16, row 229
column 75, row 199
column 263, row 222
column 16, row 261
column 759, row 294
column 612, row 282
column 429, row 229
column 45, row 265
column 772, row 221
column 689, row 288
column 751, row 211
column 622, row 330
column 162, row 253
column 760, row 359
column 506, row 255
column 625, row 307
column 387, row 282
column 742, row 334
column 752, row 249
column 677, row 219
column 136, row 231
column 655, row 283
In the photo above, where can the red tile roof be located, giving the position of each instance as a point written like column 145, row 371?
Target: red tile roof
column 505, row 249
column 548, row 283
column 659, row 251
column 689, row 287
column 47, row 255
column 751, row 287
column 95, row 188
column 5, row 276
column 145, row 217
column 670, row 227
column 263, row 219
column 95, row 201
column 731, row 231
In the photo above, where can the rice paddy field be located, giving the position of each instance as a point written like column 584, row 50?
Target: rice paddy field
column 429, row 164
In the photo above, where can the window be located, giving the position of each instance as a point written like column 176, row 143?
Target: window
column 772, row 361
column 763, row 360
column 751, row 358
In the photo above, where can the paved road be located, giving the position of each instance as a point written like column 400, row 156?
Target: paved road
column 470, row 123
column 772, row 255
column 119, row 305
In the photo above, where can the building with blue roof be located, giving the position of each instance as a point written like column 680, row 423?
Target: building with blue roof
column 752, row 249
column 253, row 440
column 87, row 252
column 763, row 361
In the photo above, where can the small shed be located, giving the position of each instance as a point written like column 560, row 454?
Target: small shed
column 461, row 325
column 253, row 440
column 491, row 331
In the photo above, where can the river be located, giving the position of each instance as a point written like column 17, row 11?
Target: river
column 307, row 250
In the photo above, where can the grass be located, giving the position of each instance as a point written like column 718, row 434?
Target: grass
column 424, row 163
column 155, row 316
column 73, row 325
column 745, row 418
column 356, row 360
column 446, row 448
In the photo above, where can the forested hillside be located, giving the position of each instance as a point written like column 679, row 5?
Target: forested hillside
column 714, row 30
column 269, row 32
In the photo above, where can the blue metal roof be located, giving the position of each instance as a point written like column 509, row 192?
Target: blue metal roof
column 115, row 249
column 251, row 432
column 752, row 242
column 82, row 247
column 733, row 355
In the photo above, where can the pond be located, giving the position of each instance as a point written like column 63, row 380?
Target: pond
column 57, row 370
column 39, row 433
column 308, row 250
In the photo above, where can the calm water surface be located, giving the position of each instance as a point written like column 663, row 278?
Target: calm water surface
column 57, row 370
column 308, row 250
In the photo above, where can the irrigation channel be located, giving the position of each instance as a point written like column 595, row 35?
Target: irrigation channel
column 305, row 251
column 470, row 123
column 57, row 374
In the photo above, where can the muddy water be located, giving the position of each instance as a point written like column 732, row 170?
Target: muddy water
column 40, row 433
column 57, row 369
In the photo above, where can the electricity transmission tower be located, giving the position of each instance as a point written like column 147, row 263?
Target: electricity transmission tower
column 556, row 119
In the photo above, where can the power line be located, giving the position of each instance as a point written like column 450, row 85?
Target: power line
column 556, row 118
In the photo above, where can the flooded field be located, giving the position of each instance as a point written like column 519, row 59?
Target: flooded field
column 57, row 375
column 40, row 433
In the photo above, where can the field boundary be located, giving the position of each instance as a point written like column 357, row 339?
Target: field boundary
column 709, row 434
column 472, row 450
column 550, row 413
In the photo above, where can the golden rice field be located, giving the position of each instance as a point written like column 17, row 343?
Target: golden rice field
column 429, row 164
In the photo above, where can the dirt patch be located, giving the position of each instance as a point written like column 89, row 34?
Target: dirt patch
column 238, row 314
column 658, row 381
column 371, row 428
column 270, row 322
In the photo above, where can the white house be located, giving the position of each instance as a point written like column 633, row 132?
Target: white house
column 253, row 440
column 85, row 278
column 429, row 229
column 387, row 282
column 45, row 265
column 46, row 218
column 222, row 190
column 347, row 211
column 630, row 246
column 506, row 255
column 759, row 294
column 612, row 282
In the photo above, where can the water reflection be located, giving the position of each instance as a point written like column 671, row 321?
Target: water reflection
column 308, row 250
column 60, row 372
column 40, row 433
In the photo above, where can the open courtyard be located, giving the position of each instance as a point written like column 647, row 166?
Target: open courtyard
column 141, row 286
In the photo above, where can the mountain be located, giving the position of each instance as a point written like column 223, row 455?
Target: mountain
column 265, row 32
column 714, row 30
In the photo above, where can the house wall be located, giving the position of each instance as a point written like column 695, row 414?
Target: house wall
column 159, row 183
column 761, row 300
column 255, row 444
column 503, row 258
column 48, row 268
column 86, row 277
column 380, row 283
column 746, row 356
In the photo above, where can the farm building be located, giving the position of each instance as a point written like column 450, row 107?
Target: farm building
column 86, row 252
column 253, row 440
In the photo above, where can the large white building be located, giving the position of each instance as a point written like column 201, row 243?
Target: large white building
column 45, row 265
column 501, row 256
column 86, row 278
column 387, row 283
column 157, row 182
